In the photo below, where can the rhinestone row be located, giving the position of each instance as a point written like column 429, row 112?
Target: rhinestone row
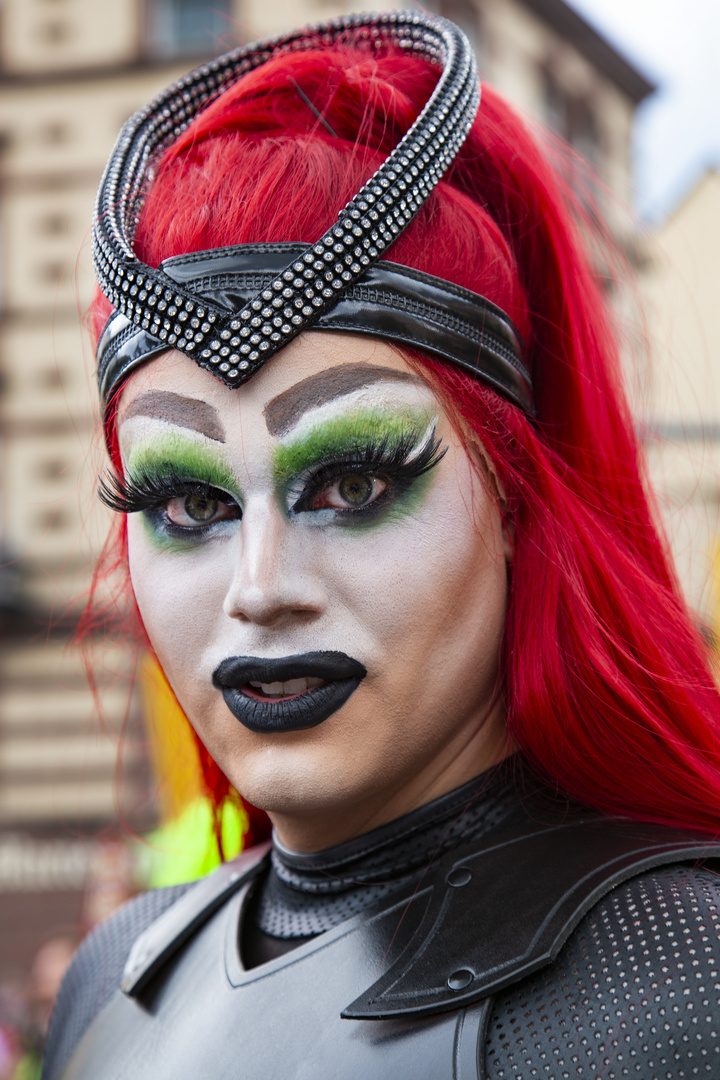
column 234, row 345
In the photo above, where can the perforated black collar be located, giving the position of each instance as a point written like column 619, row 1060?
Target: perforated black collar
column 304, row 895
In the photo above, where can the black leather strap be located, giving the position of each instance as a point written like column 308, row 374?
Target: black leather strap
column 470, row 1036
column 391, row 301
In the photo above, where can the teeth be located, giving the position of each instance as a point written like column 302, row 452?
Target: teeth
column 298, row 686
column 289, row 688
column 271, row 689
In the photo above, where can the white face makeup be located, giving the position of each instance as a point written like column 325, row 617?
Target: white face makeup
column 327, row 507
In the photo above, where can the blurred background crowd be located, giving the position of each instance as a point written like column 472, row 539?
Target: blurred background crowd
column 80, row 831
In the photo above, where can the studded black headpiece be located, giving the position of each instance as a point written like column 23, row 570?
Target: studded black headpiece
column 233, row 308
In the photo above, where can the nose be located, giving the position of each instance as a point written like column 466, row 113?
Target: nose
column 271, row 583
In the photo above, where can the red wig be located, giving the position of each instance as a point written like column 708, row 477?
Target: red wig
column 606, row 679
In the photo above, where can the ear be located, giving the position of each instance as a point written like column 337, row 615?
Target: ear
column 496, row 488
column 508, row 534
column 508, row 529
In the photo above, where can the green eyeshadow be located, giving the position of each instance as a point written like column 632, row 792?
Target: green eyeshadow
column 177, row 455
column 343, row 435
column 338, row 439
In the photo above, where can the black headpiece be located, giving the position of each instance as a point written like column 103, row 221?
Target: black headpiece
column 231, row 309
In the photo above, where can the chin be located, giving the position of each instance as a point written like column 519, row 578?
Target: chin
column 290, row 780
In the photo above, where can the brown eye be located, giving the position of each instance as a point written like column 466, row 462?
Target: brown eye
column 350, row 492
column 200, row 508
column 355, row 489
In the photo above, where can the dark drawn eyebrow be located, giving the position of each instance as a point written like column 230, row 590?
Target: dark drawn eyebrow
column 177, row 409
column 283, row 411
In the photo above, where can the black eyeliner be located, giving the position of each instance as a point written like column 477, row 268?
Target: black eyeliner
column 396, row 460
column 149, row 491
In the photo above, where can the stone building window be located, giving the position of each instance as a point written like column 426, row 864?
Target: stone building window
column 52, row 520
column 51, row 273
column 54, row 224
column 185, row 27
column 584, row 133
column 54, row 132
column 573, row 117
column 555, row 106
column 54, row 32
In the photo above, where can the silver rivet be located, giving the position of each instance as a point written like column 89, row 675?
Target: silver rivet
column 461, row 979
column 458, row 877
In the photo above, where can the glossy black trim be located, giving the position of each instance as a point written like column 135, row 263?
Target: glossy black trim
column 391, row 301
column 539, row 883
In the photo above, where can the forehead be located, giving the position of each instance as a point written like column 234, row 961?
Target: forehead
column 313, row 371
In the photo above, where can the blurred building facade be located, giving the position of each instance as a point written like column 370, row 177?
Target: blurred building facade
column 71, row 71
column 681, row 403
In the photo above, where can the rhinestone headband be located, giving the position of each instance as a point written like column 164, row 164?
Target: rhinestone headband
column 390, row 301
column 233, row 315
column 365, row 228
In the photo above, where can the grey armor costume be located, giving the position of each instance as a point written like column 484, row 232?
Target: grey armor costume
column 551, row 943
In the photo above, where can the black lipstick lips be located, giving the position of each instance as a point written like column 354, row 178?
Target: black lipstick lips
column 343, row 675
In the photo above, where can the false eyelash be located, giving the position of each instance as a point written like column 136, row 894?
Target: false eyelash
column 148, row 491
column 390, row 457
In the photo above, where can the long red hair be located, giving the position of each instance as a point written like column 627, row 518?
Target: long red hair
column 606, row 678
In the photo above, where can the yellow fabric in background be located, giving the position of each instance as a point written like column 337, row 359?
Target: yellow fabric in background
column 714, row 635
column 172, row 748
column 186, row 848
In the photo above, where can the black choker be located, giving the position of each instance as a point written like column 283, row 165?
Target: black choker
column 308, row 894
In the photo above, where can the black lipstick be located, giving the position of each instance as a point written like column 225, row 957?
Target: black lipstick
column 342, row 677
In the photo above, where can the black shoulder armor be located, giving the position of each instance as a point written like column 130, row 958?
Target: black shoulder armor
column 491, row 917
column 96, row 971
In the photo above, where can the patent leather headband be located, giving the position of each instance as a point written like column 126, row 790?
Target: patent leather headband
column 390, row 301
column 302, row 292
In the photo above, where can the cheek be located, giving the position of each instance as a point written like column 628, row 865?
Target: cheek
column 179, row 598
column 439, row 577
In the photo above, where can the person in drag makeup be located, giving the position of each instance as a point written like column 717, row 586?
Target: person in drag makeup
column 383, row 512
